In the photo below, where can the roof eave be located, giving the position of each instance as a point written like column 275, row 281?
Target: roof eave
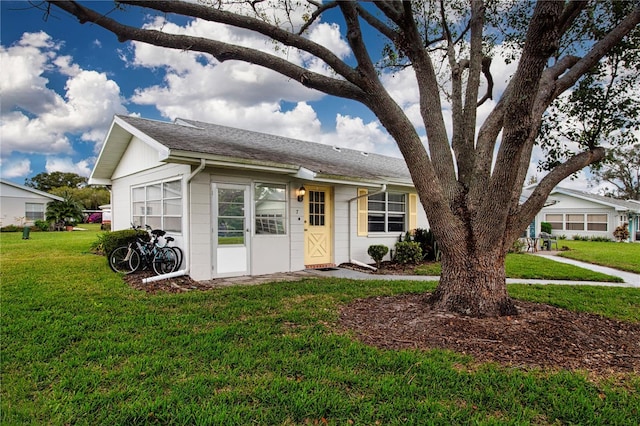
column 114, row 147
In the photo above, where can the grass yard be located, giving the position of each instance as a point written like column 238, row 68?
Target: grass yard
column 80, row 347
column 623, row 256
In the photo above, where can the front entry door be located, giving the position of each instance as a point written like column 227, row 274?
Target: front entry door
column 318, row 226
column 231, row 229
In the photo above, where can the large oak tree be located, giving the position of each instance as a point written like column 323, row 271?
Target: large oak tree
column 469, row 181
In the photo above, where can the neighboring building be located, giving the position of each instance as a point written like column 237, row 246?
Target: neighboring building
column 247, row 203
column 21, row 205
column 571, row 212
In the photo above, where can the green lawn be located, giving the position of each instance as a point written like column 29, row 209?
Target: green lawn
column 80, row 347
column 623, row 256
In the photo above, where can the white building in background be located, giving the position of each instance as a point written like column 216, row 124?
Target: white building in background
column 21, row 205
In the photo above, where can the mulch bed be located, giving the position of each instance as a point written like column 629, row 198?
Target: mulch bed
column 540, row 336
column 170, row 285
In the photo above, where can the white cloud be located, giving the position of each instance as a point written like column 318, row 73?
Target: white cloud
column 36, row 119
column 15, row 168
column 354, row 133
column 235, row 93
column 66, row 165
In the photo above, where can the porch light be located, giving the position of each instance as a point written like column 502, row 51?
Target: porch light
column 301, row 192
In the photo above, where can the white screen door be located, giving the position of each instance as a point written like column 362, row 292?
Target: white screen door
column 231, row 228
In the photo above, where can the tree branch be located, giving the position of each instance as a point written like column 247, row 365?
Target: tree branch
column 316, row 14
column 597, row 52
column 219, row 50
column 377, row 24
column 536, row 200
column 486, row 70
column 223, row 17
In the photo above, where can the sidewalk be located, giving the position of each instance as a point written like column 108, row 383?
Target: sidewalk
column 630, row 279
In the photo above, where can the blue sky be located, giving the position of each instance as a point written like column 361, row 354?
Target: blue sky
column 63, row 82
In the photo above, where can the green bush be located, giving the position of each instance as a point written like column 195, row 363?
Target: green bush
column 545, row 227
column 428, row 244
column 42, row 225
column 517, row 247
column 108, row 241
column 377, row 252
column 11, row 228
column 408, row 252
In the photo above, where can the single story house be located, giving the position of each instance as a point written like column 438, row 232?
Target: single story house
column 246, row 203
column 21, row 205
column 576, row 213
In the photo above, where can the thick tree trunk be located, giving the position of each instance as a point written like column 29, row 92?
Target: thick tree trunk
column 473, row 285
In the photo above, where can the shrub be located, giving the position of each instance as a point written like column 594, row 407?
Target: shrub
column 408, row 252
column 622, row 232
column 42, row 225
column 377, row 252
column 517, row 246
column 11, row 228
column 428, row 244
column 545, row 227
column 108, row 241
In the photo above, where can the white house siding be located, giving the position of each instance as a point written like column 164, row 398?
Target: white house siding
column 342, row 194
column 137, row 157
column 296, row 228
column 13, row 205
column 200, row 251
column 571, row 205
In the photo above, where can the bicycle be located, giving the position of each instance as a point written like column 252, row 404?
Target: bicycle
column 156, row 234
column 141, row 254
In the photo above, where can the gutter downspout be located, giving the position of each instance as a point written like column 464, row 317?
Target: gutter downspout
column 187, row 250
column 383, row 188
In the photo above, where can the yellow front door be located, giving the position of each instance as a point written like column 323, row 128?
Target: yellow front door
column 318, row 225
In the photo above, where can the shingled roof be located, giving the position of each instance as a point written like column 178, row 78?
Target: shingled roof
column 195, row 139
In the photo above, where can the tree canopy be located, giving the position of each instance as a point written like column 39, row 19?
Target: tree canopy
column 469, row 174
column 621, row 169
column 47, row 181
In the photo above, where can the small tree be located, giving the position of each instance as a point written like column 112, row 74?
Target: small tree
column 68, row 210
column 622, row 170
column 621, row 233
column 377, row 252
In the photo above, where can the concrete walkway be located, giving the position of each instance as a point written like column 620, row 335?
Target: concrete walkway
column 630, row 279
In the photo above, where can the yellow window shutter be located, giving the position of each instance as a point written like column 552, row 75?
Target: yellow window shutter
column 413, row 211
column 362, row 213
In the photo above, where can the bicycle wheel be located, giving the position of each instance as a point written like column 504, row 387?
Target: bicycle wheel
column 179, row 256
column 134, row 261
column 119, row 261
column 164, row 261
